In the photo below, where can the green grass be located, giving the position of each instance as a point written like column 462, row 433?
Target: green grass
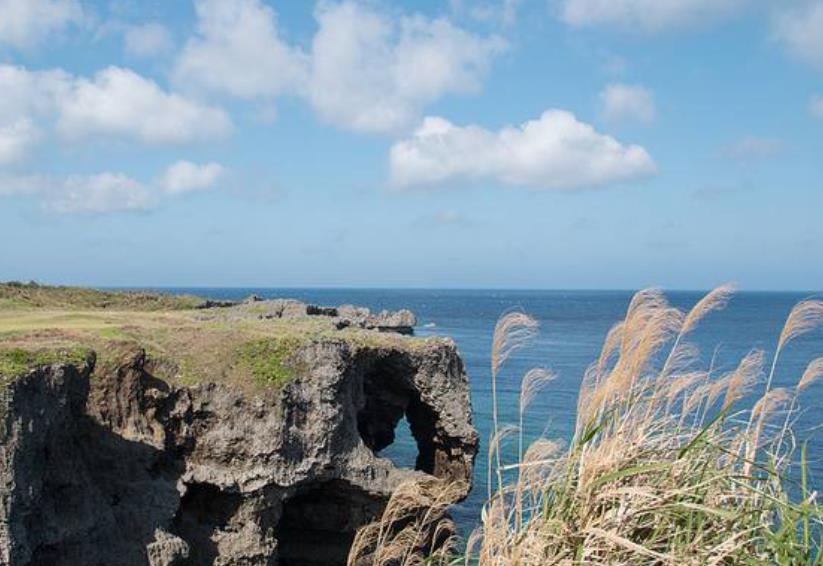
column 269, row 360
column 32, row 295
column 15, row 362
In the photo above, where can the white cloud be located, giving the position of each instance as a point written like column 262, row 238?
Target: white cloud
column 24, row 23
column 147, row 40
column 28, row 97
column 646, row 15
column 28, row 94
column 366, row 71
column 104, row 192
column 109, row 192
column 238, row 51
column 16, row 139
column 801, row 32
column 372, row 74
column 115, row 102
column 185, row 176
column 622, row 102
column 120, row 102
column 753, row 147
column 556, row 151
column 816, row 106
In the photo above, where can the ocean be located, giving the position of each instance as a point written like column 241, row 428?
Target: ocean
column 573, row 325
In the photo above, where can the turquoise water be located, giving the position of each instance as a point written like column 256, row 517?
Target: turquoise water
column 573, row 325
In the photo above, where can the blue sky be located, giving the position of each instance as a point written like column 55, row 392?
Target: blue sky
column 462, row 143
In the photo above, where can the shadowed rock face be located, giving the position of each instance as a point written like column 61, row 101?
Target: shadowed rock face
column 126, row 469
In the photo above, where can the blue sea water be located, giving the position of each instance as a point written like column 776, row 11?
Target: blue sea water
column 573, row 325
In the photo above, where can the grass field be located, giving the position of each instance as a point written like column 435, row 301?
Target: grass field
column 187, row 345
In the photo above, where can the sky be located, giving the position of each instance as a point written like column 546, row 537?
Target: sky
column 544, row 144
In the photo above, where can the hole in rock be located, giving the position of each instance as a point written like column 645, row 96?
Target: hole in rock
column 318, row 524
column 393, row 422
column 403, row 451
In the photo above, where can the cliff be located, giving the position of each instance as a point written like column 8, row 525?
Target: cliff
column 213, row 436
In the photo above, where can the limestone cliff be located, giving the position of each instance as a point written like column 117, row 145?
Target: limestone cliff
column 117, row 464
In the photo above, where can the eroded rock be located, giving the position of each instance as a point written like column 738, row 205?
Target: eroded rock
column 120, row 467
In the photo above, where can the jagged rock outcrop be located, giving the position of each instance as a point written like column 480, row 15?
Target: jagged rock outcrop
column 344, row 316
column 119, row 467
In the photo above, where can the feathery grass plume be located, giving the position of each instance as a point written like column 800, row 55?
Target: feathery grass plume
column 713, row 301
column 613, row 339
column 415, row 526
column 766, row 407
column 656, row 474
column 803, row 318
column 814, row 371
column 531, row 384
column 513, row 331
column 740, row 381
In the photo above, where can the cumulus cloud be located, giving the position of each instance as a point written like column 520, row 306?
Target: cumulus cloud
column 16, row 139
column 801, row 32
column 555, row 151
column 237, row 50
column 365, row 71
column 25, row 23
column 622, row 102
column 185, row 176
column 103, row 192
column 147, row 40
column 109, row 192
column 116, row 102
column 373, row 74
column 816, row 106
column 645, row 15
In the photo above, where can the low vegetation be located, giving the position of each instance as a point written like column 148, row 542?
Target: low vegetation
column 669, row 464
column 269, row 360
column 15, row 362
column 184, row 345
column 16, row 295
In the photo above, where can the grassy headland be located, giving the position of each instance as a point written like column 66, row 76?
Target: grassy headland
column 185, row 344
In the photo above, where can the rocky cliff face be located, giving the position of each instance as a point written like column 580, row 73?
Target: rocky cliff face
column 118, row 467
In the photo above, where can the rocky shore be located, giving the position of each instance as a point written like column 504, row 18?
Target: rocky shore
column 116, row 451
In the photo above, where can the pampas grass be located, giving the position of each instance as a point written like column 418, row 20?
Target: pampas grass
column 666, row 467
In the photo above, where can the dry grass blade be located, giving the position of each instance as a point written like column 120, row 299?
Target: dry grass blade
column 533, row 382
column 715, row 300
column 814, row 371
column 770, row 403
column 613, row 339
column 512, row 332
column 747, row 373
column 805, row 316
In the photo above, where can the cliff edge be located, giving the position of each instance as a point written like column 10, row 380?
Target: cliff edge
column 223, row 435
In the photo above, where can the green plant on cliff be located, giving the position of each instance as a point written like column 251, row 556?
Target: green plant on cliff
column 269, row 360
column 17, row 361
column 668, row 465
